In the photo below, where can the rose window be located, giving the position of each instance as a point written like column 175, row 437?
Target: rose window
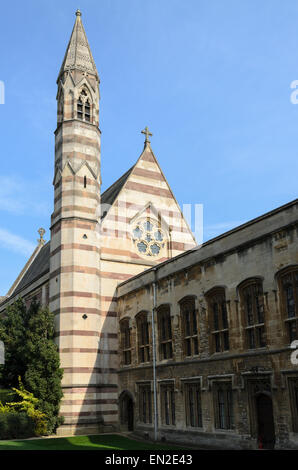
column 148, row 238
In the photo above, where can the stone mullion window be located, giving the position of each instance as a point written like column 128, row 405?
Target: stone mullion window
column 193, row 405
column 218, row 320
column 143, row 338
column 145, row 404
column 125, row 334
column 189, row 327
column 167, row 396
column 252, row 302
column 223, row 404
column 289, row 297
column 165, row 333
column 84, row 107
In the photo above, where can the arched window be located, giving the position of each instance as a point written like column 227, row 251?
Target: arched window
column 288, row 284
column 80, row 108
column 165, row 332
column 125, row 341
column 87, row 111
column 252, row 305
column 189, row 327
column 218, row 319
column 143, row 337
column 84, row 107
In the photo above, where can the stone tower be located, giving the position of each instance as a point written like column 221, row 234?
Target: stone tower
column 75, row 247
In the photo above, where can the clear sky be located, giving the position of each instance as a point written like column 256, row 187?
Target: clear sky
column 211, row 79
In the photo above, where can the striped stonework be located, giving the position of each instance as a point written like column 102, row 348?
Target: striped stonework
column 145, row 195
column 75, row 248
column 94, row 245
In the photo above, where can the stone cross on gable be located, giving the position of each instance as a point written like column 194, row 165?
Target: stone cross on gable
column 147, row 134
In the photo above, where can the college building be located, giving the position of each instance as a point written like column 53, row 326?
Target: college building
column 157, row 335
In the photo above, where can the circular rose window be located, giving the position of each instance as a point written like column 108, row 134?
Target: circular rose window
column 148, row 237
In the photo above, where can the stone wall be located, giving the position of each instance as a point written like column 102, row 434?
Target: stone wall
column 270, row 247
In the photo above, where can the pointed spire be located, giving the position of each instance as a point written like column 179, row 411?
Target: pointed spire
column 78, row 54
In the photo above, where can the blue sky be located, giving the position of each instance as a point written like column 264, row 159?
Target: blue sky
column 211, row 79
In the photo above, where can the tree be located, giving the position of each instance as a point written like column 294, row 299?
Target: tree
column 32, row 354
column 13, row 327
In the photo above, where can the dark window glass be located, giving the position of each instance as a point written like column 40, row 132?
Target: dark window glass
column 219, row 321
column 189, row 327
column 125, row 342
column 193, row 405
column 165, row 333
column 253, row 304
column 168, row 404
column 224, row 406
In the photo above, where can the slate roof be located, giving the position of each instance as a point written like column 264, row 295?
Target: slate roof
column 110, row 194
column 41, row 263
column 38, row 267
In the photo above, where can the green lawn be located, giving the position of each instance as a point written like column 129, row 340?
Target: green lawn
column 96, row 442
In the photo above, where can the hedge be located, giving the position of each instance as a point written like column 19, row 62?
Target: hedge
column 16, row 426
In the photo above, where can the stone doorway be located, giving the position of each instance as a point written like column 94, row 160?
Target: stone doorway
column 265, row 421
column 126, row 412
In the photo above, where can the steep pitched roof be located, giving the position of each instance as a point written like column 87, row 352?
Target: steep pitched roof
column 78, row 54
column 41, row 263
column 39, row 266
column 110, row 194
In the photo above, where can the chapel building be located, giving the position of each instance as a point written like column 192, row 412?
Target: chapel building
column 156, row 335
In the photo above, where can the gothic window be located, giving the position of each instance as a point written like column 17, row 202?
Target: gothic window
column 167, row 396
column 223, row 404
column 288, row 282
column 293, row 390
column 149, row 239
column 125, row 339
column 80, row 109
column 218, row 320
column 189, row 327
column 87, row 111
column 193, row 405
column 145, row 404
column 252, row 303
column 165, row 332
column 84, row 107
column 143, row 337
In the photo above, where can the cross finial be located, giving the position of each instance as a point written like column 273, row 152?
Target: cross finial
column 147, row 134
column 78, row 12
column 41, row 232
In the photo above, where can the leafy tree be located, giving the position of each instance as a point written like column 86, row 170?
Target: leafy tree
column 30, row 352
column 13, row 327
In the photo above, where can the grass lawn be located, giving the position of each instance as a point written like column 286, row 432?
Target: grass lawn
column 96, row 442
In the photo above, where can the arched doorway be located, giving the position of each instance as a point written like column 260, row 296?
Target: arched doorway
column 265, row 421
column 126, row 411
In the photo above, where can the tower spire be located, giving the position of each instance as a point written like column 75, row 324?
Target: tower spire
column 78, row 55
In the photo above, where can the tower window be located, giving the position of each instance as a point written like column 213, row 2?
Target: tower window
column 87, row 111
column 84, row 107
column 80, row 109
column 85, row 181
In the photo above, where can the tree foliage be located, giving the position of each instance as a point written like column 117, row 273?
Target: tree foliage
column 30, row 352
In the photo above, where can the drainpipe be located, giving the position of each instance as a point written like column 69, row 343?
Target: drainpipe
column 154, row 357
